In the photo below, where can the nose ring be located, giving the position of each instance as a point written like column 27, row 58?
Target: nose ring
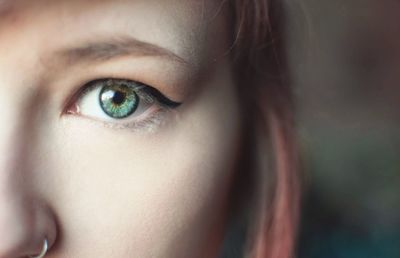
column 44, row 250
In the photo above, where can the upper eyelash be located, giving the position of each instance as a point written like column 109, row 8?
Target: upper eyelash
column 160, row 97
column 153, row 92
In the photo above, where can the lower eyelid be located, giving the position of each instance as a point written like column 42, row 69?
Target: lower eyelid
column 148, row 124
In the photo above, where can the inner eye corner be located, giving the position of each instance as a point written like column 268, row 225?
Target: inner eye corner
column 70, row 107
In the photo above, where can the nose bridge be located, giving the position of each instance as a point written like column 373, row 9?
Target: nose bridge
column 17, row 212
column 14, row 130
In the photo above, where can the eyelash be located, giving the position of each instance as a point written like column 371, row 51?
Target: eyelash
column 160, row 105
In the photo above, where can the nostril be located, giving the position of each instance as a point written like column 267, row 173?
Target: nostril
column 26, row 239
column 27, row 229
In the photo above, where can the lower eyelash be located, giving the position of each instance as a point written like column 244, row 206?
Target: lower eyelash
column 148, row 125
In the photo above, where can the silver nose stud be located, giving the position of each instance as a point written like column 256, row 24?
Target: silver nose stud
column 44, row 250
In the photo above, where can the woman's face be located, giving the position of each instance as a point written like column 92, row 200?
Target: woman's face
column 119, row 127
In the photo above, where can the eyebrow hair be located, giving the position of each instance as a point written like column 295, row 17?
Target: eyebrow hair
column 112, row 48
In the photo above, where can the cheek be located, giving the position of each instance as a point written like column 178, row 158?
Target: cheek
column 149, row 195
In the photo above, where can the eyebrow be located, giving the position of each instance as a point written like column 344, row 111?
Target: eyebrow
column 105, row 50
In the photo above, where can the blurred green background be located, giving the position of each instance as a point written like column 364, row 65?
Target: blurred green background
column 345, row 68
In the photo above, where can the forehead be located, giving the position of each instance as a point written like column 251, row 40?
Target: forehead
column 183, row 26
column 194, row 12
column 196, row 7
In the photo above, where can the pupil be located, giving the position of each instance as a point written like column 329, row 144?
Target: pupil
column 119, row 97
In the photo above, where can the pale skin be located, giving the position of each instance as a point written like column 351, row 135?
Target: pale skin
column 91, row 185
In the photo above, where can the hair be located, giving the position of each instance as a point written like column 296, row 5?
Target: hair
column 259, row 59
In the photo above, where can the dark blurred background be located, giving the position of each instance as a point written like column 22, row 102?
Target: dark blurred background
column 345, row 67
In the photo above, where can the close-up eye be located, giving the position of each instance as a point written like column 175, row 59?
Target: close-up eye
column 125, row 103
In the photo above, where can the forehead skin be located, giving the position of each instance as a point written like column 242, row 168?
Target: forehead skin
column 174, row 23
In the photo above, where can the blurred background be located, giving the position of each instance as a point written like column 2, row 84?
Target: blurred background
column 345, row 66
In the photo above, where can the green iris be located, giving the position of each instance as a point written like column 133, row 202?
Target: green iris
column 118, row 100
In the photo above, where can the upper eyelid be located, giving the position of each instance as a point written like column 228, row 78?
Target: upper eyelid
column 139, row 86
column 171, row 89
column 165, row 76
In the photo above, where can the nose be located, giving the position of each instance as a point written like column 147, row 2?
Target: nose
column 25, row 218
